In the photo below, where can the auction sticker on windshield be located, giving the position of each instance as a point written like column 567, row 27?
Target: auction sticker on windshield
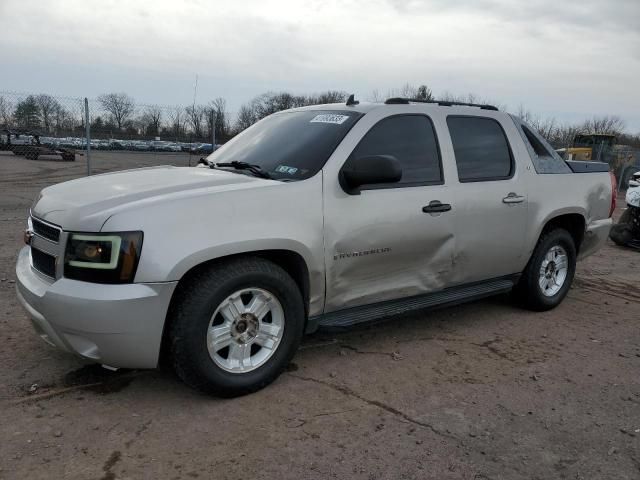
column 330, row 118
column 286, row 169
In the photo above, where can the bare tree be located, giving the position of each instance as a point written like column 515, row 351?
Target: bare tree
column 62, row 119
column 375, row 96
column 246, row 118
column 330, row 96
column 607, row 124
column 120, row 105
column 196, row 117
column 177, row 121
column 563, row 135
column 151, row 120
column 218, row 113
column 47, row 106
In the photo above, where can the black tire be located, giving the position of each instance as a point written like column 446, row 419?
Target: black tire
column 191, row 313
column 528, row 290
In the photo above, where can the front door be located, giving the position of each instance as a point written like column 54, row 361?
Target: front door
column 389, row 241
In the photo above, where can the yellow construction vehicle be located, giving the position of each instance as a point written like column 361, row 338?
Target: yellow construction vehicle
column 601, row 147
column 591, row 146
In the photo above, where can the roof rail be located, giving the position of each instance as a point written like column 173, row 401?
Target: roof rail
column 444, row 103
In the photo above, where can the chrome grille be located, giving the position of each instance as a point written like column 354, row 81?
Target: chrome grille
column 46, row 231
column 45, row 246
column 43, row 262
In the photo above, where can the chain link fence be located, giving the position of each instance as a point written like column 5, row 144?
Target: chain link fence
column 42, row 125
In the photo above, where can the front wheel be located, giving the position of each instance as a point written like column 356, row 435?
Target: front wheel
column 235, row 326
column 549, row 274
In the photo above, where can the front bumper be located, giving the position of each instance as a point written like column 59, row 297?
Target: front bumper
column 116, row 325
column 595, row 237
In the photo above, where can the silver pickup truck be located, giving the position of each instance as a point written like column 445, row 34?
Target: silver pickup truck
column 322, row 216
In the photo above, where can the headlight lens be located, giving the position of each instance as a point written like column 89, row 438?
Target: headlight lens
column 103, row 257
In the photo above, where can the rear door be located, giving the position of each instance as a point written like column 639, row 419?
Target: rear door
column 491, row 198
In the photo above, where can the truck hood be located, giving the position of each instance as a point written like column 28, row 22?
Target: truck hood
column 85, row 204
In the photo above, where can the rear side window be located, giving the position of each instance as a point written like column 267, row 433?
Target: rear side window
column 481, row 149
column 412, row 140
column 537, row 146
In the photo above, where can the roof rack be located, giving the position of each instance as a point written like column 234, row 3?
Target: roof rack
column 444, row 103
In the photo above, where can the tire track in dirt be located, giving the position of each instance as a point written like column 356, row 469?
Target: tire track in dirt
column 620, row 289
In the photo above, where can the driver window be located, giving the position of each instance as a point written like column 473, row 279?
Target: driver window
column 412, row 140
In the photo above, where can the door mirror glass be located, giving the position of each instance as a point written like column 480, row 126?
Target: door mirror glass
column 368, row 170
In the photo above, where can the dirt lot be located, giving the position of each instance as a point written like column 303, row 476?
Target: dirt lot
column 480, row 391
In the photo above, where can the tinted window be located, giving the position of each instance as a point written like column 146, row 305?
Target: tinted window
column 412, row 140
column 481, row 149
column 537, row 146
column 290, row 145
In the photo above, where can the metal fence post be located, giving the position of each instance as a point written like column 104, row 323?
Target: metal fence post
column 214, row 118
column 88, row 134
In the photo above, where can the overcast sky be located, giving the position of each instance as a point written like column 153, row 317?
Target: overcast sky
column 564, row 58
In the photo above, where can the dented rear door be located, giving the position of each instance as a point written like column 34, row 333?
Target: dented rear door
column 491, row 195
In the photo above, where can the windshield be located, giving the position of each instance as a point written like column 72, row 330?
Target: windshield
column 289, row 145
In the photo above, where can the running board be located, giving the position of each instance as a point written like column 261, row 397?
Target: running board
column 376, row 311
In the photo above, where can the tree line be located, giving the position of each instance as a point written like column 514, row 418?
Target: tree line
column 117, row 115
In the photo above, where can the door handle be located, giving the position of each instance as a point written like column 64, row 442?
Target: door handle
column 513, row 197
column 435, row 206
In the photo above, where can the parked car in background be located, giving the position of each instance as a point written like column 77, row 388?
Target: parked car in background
column 322, row 216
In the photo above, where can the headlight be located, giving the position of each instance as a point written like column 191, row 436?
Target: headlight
column 103, row 257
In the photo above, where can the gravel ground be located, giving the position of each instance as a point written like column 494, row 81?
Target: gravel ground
column 479, row 391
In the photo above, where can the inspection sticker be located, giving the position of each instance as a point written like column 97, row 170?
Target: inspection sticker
column 329, row 118
column 286, row 169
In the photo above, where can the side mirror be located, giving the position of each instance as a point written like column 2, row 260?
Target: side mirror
column 373, row 169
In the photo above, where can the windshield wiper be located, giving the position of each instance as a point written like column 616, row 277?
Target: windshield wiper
column 255, row 169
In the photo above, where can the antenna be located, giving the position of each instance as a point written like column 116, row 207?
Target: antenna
column 352, row 101
column 195, row 91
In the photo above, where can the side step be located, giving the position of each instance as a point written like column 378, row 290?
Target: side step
column 450, row 296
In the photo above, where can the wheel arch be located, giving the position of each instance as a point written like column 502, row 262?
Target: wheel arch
column 573, row 222
column 291, row 261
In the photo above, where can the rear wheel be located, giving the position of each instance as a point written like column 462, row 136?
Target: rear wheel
column 235, row 326
column 549, row 274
